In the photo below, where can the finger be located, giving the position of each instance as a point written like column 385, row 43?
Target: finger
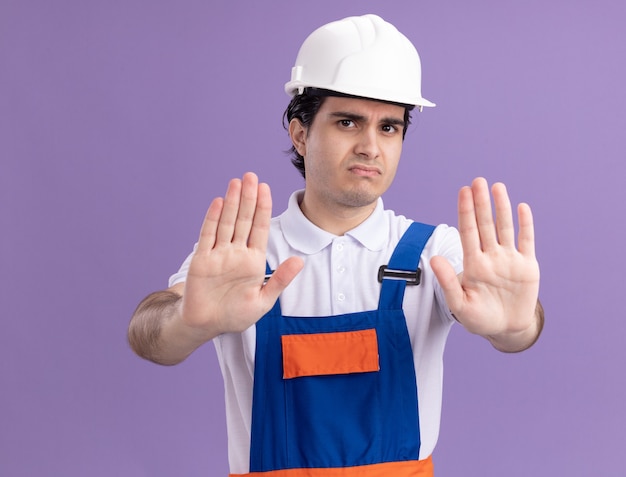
column 484, row 214
column 281, row 278
column 262, row 218
column 468, row 229
column 504, row 215
column 226, row 225
column 247, row 206
column 449, row 282
column 208, row 230
column 526, row 235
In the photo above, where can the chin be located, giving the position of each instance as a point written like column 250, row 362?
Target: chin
column 360, row 198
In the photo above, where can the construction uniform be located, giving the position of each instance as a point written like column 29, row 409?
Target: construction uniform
column 333, row 392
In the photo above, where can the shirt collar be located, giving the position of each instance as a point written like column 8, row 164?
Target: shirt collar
column 308, row 238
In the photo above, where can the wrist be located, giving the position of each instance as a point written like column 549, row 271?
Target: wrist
column 518, row 341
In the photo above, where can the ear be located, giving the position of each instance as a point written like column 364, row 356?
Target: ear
column 298, row 133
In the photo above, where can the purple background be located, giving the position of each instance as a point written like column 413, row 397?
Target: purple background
column 121, row 119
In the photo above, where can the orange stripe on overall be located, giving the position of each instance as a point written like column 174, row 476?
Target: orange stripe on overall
column 419, row 468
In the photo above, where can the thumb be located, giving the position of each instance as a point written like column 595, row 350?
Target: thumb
column 281, row 278
column 449, row 282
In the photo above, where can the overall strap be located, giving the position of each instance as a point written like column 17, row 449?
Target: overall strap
column 405, row 258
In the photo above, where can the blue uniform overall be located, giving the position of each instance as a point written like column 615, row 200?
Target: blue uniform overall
column 337, row 396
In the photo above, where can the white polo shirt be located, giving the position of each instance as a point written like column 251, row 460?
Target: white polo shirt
column 340, row 276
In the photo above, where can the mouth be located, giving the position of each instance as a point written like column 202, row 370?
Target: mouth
column 365, row 171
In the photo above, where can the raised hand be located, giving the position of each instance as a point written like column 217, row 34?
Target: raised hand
column 224, row 290
column 496, row 296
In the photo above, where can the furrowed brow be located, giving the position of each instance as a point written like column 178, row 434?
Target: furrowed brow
column 393, row 121
column 347, row 115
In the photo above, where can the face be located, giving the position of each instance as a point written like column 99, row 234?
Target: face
column 351, row 153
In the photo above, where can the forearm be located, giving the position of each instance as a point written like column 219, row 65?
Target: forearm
column 157, row 332
column 521, row 340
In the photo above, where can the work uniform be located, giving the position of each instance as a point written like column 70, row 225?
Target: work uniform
column 340, row 277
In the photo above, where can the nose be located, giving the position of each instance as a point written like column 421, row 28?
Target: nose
column 367, row 145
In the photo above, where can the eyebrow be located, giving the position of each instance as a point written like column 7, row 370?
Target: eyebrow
column 360, row 118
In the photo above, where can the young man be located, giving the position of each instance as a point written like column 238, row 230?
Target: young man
column 330, row 320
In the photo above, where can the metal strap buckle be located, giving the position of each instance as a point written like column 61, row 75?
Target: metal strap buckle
column 411, row 278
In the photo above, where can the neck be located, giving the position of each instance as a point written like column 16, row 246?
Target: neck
column 336, row 220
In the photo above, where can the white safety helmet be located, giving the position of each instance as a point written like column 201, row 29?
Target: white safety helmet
column 360, row 56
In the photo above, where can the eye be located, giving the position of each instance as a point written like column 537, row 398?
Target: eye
column 346, row 123
column 389, row 128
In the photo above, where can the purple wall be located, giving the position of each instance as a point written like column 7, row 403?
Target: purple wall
column 120, row 120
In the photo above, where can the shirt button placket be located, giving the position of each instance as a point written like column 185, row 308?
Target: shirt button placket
column 339, row 282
